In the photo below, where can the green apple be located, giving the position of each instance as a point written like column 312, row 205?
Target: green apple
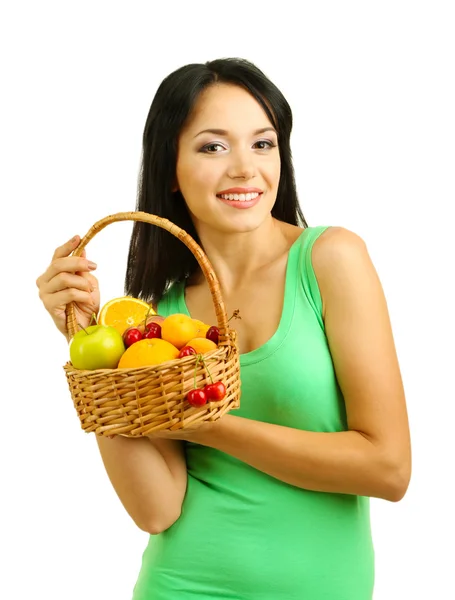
column 96, row 347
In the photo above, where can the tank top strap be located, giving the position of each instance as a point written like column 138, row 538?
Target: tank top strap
column 305, row 271
column 167, row 304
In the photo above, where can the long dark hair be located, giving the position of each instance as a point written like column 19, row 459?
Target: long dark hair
column 156, row 258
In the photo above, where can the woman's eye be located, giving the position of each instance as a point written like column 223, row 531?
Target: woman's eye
column 212, row 148
column 265, row 144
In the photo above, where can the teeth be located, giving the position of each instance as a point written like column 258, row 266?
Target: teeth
column 239, row 197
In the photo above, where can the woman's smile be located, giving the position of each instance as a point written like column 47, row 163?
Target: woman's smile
column 240, row 200
column 240, row 197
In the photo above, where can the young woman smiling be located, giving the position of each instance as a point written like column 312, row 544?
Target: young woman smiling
column 271, row 501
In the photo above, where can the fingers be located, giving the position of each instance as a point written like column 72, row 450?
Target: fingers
column 70, row 264
column 59, row 300
column 66, row 280
column 92, row 281
column 67, row 248
column 63, row 262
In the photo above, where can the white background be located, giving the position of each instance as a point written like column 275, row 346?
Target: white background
column 372, row 89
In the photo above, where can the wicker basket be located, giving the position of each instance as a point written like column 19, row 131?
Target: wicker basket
column 137, row 402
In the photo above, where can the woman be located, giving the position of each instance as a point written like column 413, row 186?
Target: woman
column 271, row 501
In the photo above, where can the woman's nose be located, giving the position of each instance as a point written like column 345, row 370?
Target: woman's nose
column 242, row 166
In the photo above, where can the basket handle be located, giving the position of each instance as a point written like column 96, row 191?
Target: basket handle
column 199, row 254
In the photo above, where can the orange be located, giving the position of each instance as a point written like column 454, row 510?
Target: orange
column 124, row 312
column 202, row 345
column 178, row 329
column 202, row 328
column 147, row 352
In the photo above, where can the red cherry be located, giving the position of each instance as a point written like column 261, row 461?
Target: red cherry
column 186, row 351
column 213, row 333
column 196, row 397
column 131, row 336
column 215, row 391
column 152, row 330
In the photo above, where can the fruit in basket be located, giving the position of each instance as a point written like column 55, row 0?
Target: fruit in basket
column 215, row 391
column 202, row 328
column 213, row 334
column 96, row 347
column 202, row 345
column 212, row 392
column 186, row 351
column 152, row 319
column 148, row 352
column 124, row 312
column 152, row 330
column 197, row 397
column 178, row 329
column 131, row 336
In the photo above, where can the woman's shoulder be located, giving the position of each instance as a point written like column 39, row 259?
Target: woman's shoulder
column 337, row 253
column 333, row 244
column 326, row 236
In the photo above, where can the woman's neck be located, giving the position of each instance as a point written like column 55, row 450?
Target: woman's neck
column 236, row 257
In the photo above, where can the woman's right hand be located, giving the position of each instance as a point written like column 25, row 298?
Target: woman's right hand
column 69, row 279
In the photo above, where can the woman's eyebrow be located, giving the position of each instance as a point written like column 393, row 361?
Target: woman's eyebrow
column 224, row 132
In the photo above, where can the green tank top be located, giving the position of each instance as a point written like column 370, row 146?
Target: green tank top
column 245, row 535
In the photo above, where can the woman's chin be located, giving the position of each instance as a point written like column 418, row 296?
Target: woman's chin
column 232, row 221
column 241, row 225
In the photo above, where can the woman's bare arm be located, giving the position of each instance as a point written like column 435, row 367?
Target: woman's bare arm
column 149, row 477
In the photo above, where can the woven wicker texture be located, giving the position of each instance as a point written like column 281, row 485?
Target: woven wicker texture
column 137, row 402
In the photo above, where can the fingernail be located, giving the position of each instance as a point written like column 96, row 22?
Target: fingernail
column 91, row 265
column 74, row 239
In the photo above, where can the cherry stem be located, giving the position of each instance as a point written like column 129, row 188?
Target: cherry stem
column 206, row 368
column 146, row 316
column 93, row 318
column 198, row 358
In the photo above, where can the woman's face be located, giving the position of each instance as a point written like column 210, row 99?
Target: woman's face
column 228, row 163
